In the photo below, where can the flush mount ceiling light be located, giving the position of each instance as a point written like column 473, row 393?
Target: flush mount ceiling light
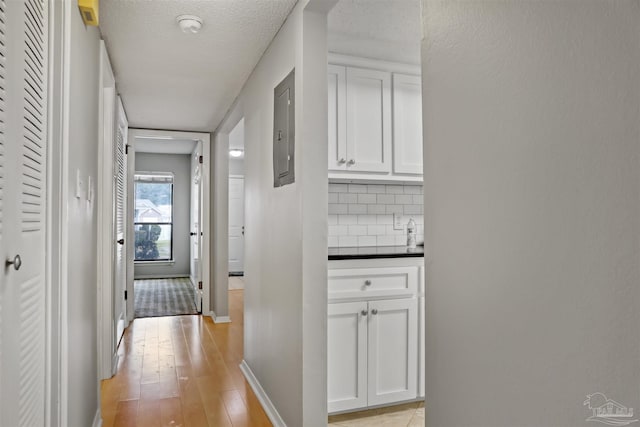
column 235, row 152
column 189, row 23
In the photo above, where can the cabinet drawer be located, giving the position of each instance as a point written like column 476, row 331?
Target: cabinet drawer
column 372, row 282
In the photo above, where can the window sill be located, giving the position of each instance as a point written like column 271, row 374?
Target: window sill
column 167, row 262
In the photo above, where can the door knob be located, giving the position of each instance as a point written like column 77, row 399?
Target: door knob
column 192, row 233
column 364, row 312
column 351, row 162
column 16, row 262
column 374, row 311
column 342, row 161
column 120, row 242
column 367, row 282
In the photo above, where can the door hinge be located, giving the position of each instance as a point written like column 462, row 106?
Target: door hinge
column 126, row 149
column 200, row 285
column 125, row 295
column 200, row 159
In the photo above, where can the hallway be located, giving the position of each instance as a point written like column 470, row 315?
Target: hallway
column 182, row 371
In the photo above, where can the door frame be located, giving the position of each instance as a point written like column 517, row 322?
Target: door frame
column 235, row 176
column 56, row 267
column 107, row 353
column 206, row 221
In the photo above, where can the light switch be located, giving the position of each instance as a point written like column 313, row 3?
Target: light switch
column 398, row 223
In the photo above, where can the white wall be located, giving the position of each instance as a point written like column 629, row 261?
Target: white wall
column 286, row 227
column 180, row 166
column 532, row 209
column 82, row 382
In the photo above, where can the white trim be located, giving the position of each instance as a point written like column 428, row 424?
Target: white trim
column 219, row 319
column 375, row 64
column 56, row 220
column 161, row 276
column 147, row 263
column 97, row 420
column 105, row 261
column 236, row 176
column 262, row 396
column 206, row 220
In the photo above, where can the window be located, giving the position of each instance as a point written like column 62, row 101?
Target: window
column 153, row 217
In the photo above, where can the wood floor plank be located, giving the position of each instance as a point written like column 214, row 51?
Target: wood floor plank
column 182, row 371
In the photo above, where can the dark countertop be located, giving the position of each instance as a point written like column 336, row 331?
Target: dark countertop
column 369, row 252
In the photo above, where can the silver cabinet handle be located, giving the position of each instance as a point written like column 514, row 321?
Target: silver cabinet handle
column 374, row 311
column 367, row 282
column 364, row 312
column 351, row 162
column 342, row 161
column 16, row 262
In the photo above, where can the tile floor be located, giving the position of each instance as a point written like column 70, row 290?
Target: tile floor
column 405, row 415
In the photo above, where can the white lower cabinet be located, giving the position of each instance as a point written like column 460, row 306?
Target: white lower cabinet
column 372, row 353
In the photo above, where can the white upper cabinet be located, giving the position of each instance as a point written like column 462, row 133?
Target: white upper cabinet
column 368, row 121
column 375, row 127
column 407, row 124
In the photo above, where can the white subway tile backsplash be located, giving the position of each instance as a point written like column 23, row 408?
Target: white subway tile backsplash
column 348, row 198
column 384, row 219
column 366, row 241
column 375, row 230
column 373, row 188
column 357, row 230
column 347, row 241
column 357, row 188
column 412, row 209
column 335, row 208
column 403, row 199
column 386, row 199
column 362, row 214
column 366, row 219
column 386, row 240
column 413, row 189
column 395, row 189
column 347, row 219
column 367, row 198
column 376, row 209
column 338, row 188
column 357, row 209
column 395, row 209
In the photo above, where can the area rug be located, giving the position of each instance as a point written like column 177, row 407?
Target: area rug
column 164, row 297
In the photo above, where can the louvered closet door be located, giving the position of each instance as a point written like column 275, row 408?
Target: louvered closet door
column 23, row 110
column 120, row 203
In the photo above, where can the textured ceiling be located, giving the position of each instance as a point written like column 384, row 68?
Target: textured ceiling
column 381, row 29
column 171, row 80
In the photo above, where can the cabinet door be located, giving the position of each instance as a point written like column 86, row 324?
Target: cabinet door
column 407, row 124
column 337, row 140
column 347, row 356
column 368, row 120
column 393, row 351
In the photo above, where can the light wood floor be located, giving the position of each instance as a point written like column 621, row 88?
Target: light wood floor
column 182, row 371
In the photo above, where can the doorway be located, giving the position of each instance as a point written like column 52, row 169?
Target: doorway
column 236, row 206
column 168, row 182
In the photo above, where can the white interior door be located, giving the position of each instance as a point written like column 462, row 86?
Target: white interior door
column 120, row 204
column 23, row 160
column 236, row 224
column 196, row 224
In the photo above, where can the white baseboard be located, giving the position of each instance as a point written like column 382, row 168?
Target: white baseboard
column 161, row 276
column 219, row 319
column 262, row 396
column 97, row 420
